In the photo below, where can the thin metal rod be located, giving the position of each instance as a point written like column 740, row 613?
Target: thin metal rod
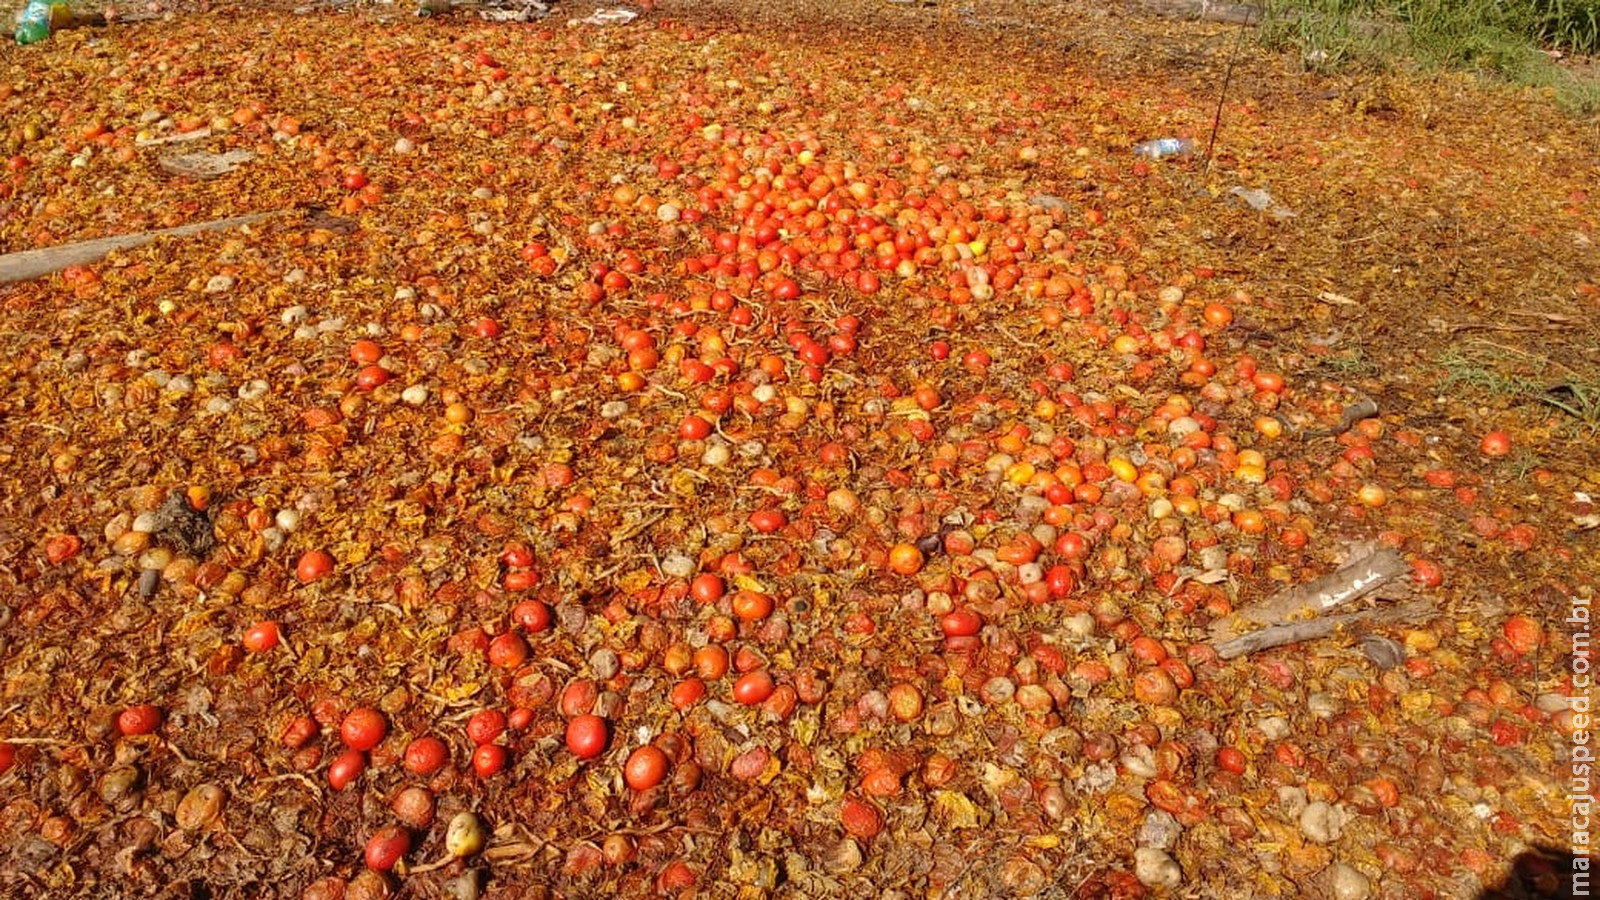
column 1222, row 95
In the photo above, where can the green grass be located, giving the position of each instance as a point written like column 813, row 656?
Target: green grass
column 1501, row 38
column 1501, row 375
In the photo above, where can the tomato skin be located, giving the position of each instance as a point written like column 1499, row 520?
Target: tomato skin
column 142, row 719
column 363, row 728
column 1495, row 444
column 8, row 756
column 646, row 767
column 346, row 768
column 425, row 755
column 372, row 377
column 62, row 547
column 752, row 606
column 587, row 735
column 754, row 687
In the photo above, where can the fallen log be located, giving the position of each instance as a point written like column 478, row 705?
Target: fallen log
column 34, row 263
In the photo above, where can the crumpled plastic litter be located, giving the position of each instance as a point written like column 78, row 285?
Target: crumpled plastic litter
column 1260, row 200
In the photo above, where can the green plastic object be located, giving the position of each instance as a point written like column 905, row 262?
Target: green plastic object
column 39, row 18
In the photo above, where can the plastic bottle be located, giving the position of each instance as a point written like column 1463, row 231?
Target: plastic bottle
column 1163, row 147
column 39, row 18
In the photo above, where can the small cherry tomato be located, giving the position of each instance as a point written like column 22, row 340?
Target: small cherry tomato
column 425, row 755
column 488, row 759
column 646, row 767
column 486, row 725
column 141, row 719
column 363, row 728
column 754, row 687
column 261, row 637
column 313, row 565
column 587, row 735
column 1495, row 443
column 346, row 768
column 386, row 847
column 532, row 616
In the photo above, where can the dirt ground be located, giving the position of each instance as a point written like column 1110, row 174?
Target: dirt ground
column 980, row 424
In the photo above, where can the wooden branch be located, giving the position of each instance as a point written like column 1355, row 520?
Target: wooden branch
column 34, row 263
column 1311, row 629
column 1368, row 569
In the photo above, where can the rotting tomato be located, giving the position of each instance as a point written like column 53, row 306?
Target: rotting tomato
column 508, row 651
column 532, row 616
column 425, row 755
column 960, row 623
column 485, row 726
column 59, row 548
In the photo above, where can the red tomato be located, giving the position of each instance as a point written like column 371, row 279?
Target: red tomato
column 1231, row 759
column 486, row 328
column 486, row 725
column 767, row 521
column 961, row 623
column 508, row 650
column 587, row 735
column 261, row 637
column 706, row 588
column 386, row 847
column 371, row 377
column 366, row 352
column 488, row 759
column 694, row 428
column 1495, row 443
column 533, row 616
column 313, row 565
column 363, row 728
column 752, row 606
column 645, row 768
column 425, row 755
column 516, row 555
column 141, row 719
column 8, row 756
column 345, row 768
column 299, row 732
column 754, row 687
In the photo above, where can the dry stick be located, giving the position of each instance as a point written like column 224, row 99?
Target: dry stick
column 34, row 263
column 1295, row 632
column 1366, row 571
